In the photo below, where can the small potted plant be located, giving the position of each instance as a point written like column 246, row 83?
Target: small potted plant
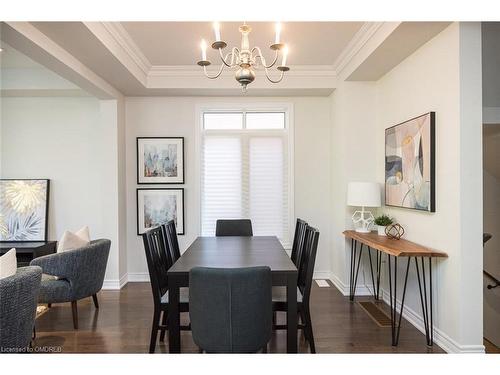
column 382, row 222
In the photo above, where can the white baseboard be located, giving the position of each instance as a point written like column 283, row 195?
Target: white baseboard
column 115, row 284
column 361, row 290
column 440, row 338
column 138, row 277
column 321, row 275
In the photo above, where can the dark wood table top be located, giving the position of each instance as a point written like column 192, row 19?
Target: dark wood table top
column 232, row 252
column 394, row 247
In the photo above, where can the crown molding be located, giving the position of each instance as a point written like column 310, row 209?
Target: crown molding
column 356, row 44
column 123, row 38
column 118, row 42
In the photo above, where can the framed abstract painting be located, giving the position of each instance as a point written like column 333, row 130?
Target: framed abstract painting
column 24, row 207
column 410, row 164
column 157, row 206
column 160, row 160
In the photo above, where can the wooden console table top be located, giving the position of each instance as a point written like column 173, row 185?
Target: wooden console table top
column 398, row 248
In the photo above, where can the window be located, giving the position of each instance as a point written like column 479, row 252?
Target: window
column 245, row 171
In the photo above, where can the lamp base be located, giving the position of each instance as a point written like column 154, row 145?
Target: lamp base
column 363, row 221
column 362, row 230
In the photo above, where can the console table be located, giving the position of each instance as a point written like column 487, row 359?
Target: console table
column 395, row 249
column 27, row 251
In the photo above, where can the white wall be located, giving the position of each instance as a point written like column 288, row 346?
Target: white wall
column 442, row 76
column 353, row 150
column 73, row 142
column 176, row 116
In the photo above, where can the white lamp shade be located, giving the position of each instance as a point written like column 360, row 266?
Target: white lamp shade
column 363, row 194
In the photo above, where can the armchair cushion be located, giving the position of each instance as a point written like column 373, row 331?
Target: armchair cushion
column 71, row 241
column 54, row 290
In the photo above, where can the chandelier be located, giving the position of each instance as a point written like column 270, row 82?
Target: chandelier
column 244, row 59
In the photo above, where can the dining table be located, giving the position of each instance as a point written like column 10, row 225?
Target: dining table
column 233, row 252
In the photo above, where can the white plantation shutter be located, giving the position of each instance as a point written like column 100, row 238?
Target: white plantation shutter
column 245, row 173
column 268, row 208
column 222, row 181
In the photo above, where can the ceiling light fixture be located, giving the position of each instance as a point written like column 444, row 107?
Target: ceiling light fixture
column 244, row 59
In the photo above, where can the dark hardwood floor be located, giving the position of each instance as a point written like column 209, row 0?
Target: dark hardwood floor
column 123, row 324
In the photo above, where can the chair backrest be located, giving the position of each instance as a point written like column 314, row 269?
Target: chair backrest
column 158, row 260
column 18, row 297
column 231, row 308
column 234, row 227
column 298, row 241
column 307, row 261
column 170, row 233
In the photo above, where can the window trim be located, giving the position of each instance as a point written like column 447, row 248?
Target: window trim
column 284, row 107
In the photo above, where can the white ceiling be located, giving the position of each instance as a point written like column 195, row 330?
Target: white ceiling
column 178, row 43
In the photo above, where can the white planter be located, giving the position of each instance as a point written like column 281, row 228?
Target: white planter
column 381, row 230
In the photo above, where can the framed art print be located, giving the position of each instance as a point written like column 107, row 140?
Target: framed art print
column 24, row 207
column 157, row 206
column 410, row 164
column 160, row 160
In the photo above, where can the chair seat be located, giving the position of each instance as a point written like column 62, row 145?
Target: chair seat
column 183, row 296
column 279, row 294
column 53, row 291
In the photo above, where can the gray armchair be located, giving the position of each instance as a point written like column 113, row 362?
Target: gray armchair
column 80, row 274
column 18, row 297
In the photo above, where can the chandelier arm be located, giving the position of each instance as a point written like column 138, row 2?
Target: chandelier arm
column 234, row 52
column 215, row 76
column 263, row 59
column 272, row 80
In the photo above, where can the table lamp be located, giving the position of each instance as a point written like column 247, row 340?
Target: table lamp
column 363, row 194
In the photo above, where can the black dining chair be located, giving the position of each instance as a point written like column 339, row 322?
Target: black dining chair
column 159, row 261
column 170, row 233
column 231, row 309
column 298, row 241
column 234, row 227
column 304, row 285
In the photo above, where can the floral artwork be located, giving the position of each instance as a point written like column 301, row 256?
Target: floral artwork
column 23, row 210
column 409, row 164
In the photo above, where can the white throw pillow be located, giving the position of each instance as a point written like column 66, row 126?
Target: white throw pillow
column 8, row 264
column 71, row 241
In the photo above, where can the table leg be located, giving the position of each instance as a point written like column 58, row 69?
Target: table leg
column 375, row 279
column 393, row 283
column 174, row 333
column 426, row 298
column 354, row 268
column 291, row 313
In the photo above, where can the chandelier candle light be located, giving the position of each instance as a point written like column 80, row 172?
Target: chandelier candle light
column 244, row 59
